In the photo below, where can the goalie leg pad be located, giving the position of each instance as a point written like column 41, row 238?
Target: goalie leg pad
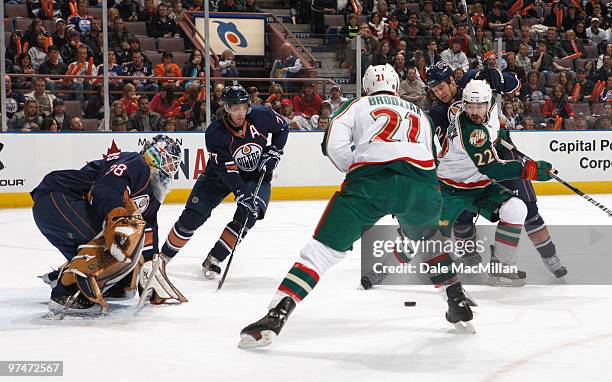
column 162, row 287
column 94, row 270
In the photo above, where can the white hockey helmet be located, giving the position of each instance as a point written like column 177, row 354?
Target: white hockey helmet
column 380, row 78
column 477, row 91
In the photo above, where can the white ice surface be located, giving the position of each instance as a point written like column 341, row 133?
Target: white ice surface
column 535, row 333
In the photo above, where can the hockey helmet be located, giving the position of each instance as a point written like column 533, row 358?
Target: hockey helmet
column 235, row 95
column 477, row 92
column 380, row 78
column 438, row 73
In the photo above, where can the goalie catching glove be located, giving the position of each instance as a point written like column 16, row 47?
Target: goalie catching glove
column 154, row 280
column 119, row 227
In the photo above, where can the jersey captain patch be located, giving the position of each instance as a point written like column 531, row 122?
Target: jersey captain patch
column 478, row 138
column 247, row 156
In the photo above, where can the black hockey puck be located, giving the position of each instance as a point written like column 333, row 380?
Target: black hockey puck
column 409, row 303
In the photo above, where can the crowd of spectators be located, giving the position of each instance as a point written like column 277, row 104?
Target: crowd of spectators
column 560, row 50
column 65, row 39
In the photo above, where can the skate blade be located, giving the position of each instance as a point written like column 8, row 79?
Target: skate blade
column 465, row 327
column 209, row 275
column 59, row 312
column 504, row 282
column 247, row 341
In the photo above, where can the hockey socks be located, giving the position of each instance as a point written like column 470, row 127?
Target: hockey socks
column 444, row 274
column 507, row 236
column 540, row 237
column 227, row 241
column 177, row 238
column 299, row 281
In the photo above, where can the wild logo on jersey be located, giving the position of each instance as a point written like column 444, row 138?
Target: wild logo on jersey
column 478, row 138
column 247, row 156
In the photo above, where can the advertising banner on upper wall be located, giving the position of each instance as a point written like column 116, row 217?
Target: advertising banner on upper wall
column 243, row 35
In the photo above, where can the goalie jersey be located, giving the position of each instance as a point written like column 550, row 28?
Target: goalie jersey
column 102, row 183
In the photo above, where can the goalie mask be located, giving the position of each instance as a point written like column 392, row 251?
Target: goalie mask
column 163, row 154
column 476, row 100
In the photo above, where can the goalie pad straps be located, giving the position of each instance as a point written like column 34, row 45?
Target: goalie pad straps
column 162, row 287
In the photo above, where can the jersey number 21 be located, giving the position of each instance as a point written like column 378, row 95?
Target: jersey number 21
column 393, row 123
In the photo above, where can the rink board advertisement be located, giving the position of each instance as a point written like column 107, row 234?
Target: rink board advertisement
column 583, row 158
column 243, row 35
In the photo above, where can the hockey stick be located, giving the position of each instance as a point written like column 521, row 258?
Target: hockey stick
column 472, row 33
column 229, row 262
column 554, row 175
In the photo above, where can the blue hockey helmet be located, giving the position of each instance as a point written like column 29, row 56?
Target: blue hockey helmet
column 438, row 73
column 235, row 95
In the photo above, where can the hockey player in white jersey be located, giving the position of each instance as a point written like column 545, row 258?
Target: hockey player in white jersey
column 391, row 170
column 468, row 170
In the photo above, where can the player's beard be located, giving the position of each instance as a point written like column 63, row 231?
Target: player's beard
column 477, row 119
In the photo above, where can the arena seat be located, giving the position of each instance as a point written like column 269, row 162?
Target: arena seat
column 23, row 24
column 136, row 28
column 9, row 25
column 147, row 43
column 15, row 10
column 171, row 44
column 90, row 124
column 73, row 108
column 581, row 108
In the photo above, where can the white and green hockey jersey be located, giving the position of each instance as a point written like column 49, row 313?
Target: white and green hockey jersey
column 468, row 158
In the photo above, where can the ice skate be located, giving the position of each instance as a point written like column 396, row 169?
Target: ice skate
column 459, row 312
column 211, row 267
column 554, row 266
column 499, row 276
column 262, row 332
column 74, row 306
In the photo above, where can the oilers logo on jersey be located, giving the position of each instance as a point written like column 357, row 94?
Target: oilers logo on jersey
column 142, row 202
column 247, row 156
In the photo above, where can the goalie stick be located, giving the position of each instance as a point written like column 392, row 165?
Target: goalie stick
column 554, row 175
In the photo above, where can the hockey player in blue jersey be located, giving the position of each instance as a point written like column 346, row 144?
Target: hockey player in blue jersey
column 239, row 152
column 102, row 218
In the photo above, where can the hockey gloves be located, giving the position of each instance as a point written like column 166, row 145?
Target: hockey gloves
column 537, row 170
column 248, row 204
column 269, row 159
